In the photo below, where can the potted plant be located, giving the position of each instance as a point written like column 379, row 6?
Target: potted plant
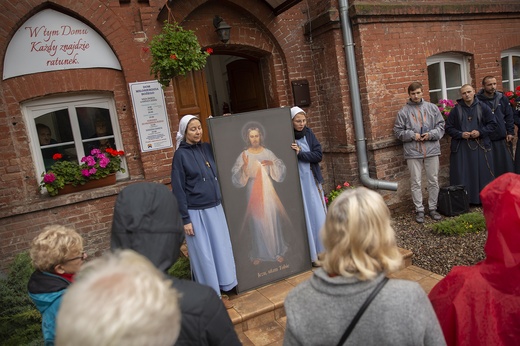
column 514, row 97
column 175, row 52
column 445, row 107
column 96, row 166
column 336, row 192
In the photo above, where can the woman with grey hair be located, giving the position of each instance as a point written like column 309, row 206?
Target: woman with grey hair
column 360, row 250
column 119, row 299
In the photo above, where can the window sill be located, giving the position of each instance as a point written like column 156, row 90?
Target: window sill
column 44, row 201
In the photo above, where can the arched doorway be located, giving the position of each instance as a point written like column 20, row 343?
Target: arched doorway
column 228, row 84
column 235, row 85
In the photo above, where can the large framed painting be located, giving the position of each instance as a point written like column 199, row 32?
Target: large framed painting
column 258, row 174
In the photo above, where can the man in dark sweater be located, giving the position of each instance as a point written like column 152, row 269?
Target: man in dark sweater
column 502, row 137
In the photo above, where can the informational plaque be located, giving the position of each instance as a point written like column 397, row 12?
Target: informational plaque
column 150, row 115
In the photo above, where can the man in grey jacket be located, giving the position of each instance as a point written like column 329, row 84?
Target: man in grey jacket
column 420, row 126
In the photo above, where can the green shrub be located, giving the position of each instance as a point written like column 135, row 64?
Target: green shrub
column 20, row 321
column 181, row 269
column 466, row 223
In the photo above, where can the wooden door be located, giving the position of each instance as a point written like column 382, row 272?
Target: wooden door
column 191, row 97
column 245, row 86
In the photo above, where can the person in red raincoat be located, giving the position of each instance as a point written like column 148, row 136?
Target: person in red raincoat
column 480, row 304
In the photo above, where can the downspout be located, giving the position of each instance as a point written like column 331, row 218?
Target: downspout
column 361, row 150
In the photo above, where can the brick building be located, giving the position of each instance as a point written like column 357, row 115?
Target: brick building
column 276, row 44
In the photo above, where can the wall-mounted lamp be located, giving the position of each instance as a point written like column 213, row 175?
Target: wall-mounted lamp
column 222, row 28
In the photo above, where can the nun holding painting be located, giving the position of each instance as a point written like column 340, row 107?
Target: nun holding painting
column 255, row 168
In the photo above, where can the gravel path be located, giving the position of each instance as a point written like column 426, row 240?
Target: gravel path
column 437, row 253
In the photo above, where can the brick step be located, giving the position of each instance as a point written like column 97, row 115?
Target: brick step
column 259, row 315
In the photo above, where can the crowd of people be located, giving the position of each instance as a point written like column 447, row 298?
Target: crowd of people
column 127, row 297
column 481, row 127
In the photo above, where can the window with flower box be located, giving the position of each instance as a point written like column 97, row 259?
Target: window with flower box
column 510, row 69
column 446, row 74
column 71, row 126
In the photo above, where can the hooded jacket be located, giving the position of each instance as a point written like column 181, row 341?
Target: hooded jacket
column 46, row 291
column 422, row 117
column 485, row 119
column 194, row 178
column 503, row 112
column 314, row 156
column 480, row 304
column 147, row 220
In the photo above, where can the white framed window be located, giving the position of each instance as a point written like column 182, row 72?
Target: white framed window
column 446, row 74
column 510, row 69
column 72, row 126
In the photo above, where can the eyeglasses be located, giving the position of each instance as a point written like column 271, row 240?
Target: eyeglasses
column 82, row 257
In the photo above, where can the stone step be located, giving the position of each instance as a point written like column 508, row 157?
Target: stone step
column 259, row 315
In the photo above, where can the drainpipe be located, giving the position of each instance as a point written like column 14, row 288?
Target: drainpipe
column 348, row 43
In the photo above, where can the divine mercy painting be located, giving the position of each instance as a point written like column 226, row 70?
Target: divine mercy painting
column 258, row 174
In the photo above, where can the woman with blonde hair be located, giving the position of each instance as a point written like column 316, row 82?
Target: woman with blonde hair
column 57, row 254
column 350, row 293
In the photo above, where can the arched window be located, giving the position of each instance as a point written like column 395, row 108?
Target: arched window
column 446, row 74
column 72, row 126
column 510, row 69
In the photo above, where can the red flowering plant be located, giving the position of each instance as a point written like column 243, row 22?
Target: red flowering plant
column 175, row 52
column 445, row 107
column 513, row 97
column 97, row 165
column 336, row 192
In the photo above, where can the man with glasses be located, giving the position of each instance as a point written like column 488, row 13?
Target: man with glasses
column 57, row 254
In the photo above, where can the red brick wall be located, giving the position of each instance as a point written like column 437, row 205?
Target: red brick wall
column 23, row 211
column 395, row 41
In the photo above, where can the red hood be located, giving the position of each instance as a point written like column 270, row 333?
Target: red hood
column 501, row 204
column 480, row 304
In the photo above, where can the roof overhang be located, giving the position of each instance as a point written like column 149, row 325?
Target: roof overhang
column 277, row 6
column 280, row 6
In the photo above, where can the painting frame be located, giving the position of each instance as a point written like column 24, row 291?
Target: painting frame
column 264, row 212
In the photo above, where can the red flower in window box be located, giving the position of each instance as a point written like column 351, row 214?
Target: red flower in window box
column 514, row 97
column 95, row 166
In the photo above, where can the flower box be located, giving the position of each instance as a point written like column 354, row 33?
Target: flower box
column 71, row 176
column 91, row 184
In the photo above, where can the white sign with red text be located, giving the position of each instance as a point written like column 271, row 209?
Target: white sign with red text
column 51, row 41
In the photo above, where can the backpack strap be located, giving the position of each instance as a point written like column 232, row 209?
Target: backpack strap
column 361, row 311
column 479, row 112
column 496, row 100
